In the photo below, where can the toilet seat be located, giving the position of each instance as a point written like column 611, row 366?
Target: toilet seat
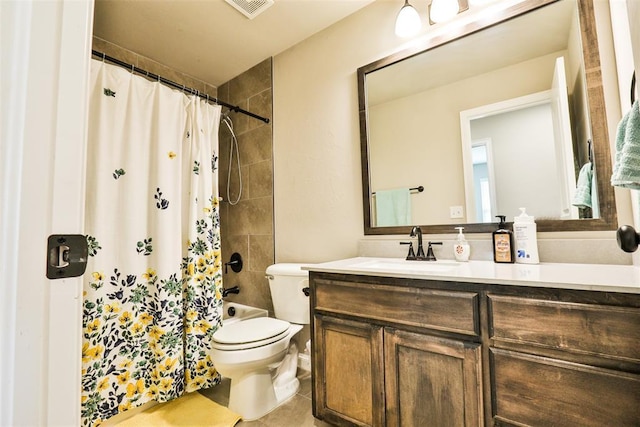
column 250, row 333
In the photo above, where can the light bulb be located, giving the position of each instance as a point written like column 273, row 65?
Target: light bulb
column 443, row 10
column 408, row 21
column 475, row 3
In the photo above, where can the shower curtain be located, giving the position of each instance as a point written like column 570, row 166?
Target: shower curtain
column 152, row 294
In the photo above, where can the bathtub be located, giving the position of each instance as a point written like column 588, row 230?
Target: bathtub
column 234, row 312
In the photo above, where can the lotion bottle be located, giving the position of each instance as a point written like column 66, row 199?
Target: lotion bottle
column 461, row 249
column 525, row 230
column 503, row 243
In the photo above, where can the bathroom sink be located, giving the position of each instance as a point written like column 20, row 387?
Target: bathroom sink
column 400, row 265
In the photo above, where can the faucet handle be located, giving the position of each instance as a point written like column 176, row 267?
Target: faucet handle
column 411, row 255
column 430, row 255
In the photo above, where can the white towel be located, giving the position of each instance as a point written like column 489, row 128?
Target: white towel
column 393, row 207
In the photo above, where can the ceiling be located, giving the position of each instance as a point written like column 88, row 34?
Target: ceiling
column 209, row 39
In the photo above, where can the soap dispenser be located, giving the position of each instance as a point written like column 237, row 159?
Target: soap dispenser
column 461, row 249
column 503, row 243
column 524, row 229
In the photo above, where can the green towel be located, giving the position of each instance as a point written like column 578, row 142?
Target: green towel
column 393, row 207
column 582, row 197
column 626, row 170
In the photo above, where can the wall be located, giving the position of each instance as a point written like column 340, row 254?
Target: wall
column 318, row 188
column 247, row 227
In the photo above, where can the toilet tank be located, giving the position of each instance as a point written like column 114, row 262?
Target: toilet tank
column 286, row 282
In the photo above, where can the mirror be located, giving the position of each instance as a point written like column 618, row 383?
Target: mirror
column 425, row 121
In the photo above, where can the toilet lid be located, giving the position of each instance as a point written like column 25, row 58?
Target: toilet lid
column 251, row 330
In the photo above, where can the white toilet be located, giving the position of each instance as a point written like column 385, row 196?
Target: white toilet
column 248, row 351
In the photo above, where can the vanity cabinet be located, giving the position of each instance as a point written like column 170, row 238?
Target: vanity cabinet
column 413, row 352
column 564, row 362
column 395, row 355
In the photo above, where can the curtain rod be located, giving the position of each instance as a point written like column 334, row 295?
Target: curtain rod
column 175, row 85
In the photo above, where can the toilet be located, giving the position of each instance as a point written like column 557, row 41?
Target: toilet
column 248, row 351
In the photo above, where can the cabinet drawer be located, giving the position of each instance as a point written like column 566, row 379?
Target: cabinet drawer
column 605, row 331
column 540, row 391
column 449, row 311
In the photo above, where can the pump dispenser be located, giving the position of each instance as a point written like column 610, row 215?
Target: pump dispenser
column 461, row 249
column 524, row 228
column 503, row 243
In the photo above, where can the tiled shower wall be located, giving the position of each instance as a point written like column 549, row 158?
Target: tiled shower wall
column 247, row 227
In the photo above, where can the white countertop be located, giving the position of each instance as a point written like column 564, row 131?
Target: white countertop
column 589, row 277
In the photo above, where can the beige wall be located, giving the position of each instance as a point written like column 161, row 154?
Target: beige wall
column 317, row 191
column 317, row 184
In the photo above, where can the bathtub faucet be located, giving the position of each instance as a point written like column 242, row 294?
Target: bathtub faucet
column 232, row 290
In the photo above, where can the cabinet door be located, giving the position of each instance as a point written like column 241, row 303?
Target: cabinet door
column 541, row 391
column 432, row 381
column 348, row 372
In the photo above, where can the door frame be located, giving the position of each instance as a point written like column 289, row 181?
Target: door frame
column 46, row 53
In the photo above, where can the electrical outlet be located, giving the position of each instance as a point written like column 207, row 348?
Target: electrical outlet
column 456, row 211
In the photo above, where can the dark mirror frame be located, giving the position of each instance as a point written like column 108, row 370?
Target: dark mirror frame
column 598, row 121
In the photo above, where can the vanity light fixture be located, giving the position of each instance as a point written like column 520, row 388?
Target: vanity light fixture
column 444, row 10
column 408, row 21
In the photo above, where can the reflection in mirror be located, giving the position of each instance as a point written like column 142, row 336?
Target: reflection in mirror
column 488, row 123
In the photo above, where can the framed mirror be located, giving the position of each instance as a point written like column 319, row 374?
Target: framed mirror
column 437, row 149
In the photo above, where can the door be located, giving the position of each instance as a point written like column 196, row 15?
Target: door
column 431, row 381
column 563, row 140
column 349, row 374
column 45, row 58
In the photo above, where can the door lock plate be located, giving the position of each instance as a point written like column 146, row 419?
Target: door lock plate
column 66, row 255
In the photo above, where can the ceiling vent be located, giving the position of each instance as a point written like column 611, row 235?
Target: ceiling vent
column 250, row 8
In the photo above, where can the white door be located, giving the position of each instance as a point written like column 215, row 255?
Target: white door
column 563, row 141
column 45, row 60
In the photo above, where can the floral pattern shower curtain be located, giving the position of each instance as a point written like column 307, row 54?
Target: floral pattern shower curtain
column 152, row 295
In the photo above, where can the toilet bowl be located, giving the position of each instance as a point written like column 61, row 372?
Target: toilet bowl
column 249, row 351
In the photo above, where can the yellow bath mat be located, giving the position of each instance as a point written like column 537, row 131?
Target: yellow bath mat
column 192, row 409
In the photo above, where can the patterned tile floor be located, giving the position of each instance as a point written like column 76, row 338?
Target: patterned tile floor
column 294, row 413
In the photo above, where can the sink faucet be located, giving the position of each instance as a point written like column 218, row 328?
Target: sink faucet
column 416, row 231
column 430, row 255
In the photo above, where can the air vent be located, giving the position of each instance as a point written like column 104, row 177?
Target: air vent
column 250, row 8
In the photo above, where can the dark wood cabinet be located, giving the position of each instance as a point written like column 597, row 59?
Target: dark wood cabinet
column 431, row 381
column 348, row 363
column 410, row 352
column 395, row 356
column 574, row 362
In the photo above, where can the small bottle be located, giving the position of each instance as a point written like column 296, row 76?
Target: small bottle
column 461, row 249
column 524, row 229
column 503, row 243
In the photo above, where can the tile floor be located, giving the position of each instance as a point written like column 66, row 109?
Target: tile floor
column 294, row 413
